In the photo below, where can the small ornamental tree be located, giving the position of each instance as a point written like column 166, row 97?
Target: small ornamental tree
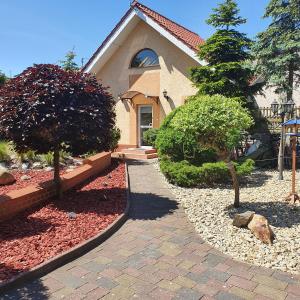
column 277, row 49
column 46, row 108
column 217, row 122
column 226, row 53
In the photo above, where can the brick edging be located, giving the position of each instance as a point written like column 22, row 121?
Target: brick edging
column 77, row 251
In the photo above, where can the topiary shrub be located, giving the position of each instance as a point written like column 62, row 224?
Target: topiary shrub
column 150, row 136
column 179, row 145
column 187, row 175
column 6, row 151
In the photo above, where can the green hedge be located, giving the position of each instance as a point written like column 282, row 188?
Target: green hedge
column 187, row 175
column 150, row 135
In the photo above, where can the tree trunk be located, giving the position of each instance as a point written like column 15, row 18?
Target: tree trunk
column 235, row 182
column 291, row 81
column 57, row 179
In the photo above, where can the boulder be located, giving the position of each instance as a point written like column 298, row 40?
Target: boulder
column 243, row 219
column 260, row 227
column 6, row 177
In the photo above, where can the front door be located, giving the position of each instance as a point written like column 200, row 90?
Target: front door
column 145, row 122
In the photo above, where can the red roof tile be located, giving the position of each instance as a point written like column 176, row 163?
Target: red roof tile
column 191, row 39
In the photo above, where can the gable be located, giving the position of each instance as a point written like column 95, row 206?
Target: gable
column 179, row 36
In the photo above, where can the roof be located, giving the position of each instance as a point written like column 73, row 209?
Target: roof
column 189, row 38
column 292, row 122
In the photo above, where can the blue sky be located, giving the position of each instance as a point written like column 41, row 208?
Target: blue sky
column 35, row 31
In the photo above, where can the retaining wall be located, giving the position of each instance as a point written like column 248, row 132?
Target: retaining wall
column 18, row 200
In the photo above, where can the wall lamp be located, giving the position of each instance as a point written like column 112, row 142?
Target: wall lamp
column 165, row 93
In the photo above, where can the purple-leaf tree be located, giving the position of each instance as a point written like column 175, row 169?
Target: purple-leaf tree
column 46, row 108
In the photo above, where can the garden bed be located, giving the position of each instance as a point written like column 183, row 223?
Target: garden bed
column 41, row 233
column 36, row 177
column 211, row 212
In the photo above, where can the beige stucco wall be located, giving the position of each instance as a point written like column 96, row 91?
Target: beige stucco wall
column 269, row 96
column 171, row 75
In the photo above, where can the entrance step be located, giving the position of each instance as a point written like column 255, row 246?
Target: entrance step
column 136, row 153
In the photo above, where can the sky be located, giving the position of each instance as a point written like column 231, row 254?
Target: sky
column 35, row 31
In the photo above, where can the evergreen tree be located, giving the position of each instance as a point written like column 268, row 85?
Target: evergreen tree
column 226, row 53
column 277, row 49
column 69, row 63
column 3, row 78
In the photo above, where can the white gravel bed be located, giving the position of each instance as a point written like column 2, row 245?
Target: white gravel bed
column 211, row 212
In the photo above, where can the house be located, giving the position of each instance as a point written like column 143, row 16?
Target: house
column 145, row 61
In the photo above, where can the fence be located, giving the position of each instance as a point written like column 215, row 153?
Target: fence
column 267, row 112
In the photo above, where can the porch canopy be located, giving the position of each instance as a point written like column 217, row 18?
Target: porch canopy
column 129, row 95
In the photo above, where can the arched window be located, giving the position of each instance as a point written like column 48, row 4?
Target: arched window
column 144, row 58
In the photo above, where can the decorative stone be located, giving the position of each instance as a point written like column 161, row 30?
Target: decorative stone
column 25, row 166
column 6, row 177
column 243, row 219
column 72, row 215
column 37, row 165
column 259, row 226
column 25, row 177
column 48, row 169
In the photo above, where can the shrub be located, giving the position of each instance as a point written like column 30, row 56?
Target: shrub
column 179, row 145
column 6, row 151
column 186, row 175
column 150, row 136
column 115, row 137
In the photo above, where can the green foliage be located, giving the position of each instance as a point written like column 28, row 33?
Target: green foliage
column 226, row 15
column 225, row 53
column 47, row 158
column 3, row 78
column 215, row 121
column 150, row 136
column 6, row 151
column 115, row 137
column 180, row 145
column 29, row 155
column 277, row 49
column 187, row 175
column 69, row 63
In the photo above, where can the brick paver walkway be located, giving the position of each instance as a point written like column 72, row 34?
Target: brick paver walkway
column 158, row 255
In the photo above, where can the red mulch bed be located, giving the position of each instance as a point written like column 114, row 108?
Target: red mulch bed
column 43, row 232
column 37, row 176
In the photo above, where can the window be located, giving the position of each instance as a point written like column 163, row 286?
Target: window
column 144, row 58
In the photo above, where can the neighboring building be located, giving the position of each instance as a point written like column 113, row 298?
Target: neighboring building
column 145, row 61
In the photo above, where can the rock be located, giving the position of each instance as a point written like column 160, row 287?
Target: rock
column 48, row 169
column 77, row 162
column 6, row 177
column 25, row 166
column 25, row 177
column 69, row 170
column 243, row 219
column 14, row 166
column 37, row 165
column 260, row 227
column 72, row 215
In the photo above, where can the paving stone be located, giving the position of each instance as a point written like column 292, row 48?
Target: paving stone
column 212, row 260
column 198, row 277
column 270, row 281
column 185, row 282
column 285, row 277
column 169, row 285
column 294, row 289
column 98, row 293
column 162, row 294
column 227, row 296
column 106, row 283
column 221, row 276
column 188, row 294
column 94, row 266
column 270, row 292
column 242, row 283
column 244, row 294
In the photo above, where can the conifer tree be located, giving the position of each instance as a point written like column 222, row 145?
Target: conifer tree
column 277, row 49
column 226, row 53
column 3, row 78
column 69, row 64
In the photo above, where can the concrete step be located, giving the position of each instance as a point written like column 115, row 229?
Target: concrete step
column 138, row 151
column 134, row 155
